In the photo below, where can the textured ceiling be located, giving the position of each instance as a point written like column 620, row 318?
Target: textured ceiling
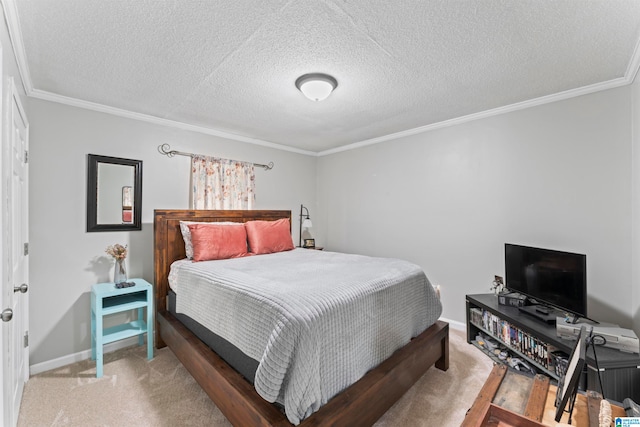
column 230, row 66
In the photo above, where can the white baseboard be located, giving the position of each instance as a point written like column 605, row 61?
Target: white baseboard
column 77, row 357
column 84, row 355
column 454, row 324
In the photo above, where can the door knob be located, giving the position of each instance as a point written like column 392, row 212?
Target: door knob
column 7, row 314
column 22, row 288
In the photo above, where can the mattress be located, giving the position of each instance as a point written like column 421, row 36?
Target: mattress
column 315, row 321
column 231, row 354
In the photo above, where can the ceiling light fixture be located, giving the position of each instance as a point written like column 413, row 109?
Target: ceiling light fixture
column 316, row 86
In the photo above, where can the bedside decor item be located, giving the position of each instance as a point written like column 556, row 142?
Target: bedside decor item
column 119, row 253
column 125, row 285
column 119, row 272
column 497, row 285
column 309, row 243
column 306, row 223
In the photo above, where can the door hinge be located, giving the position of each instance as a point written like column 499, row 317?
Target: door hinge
column 26, row 249
column 26, row 156
column 26, row 339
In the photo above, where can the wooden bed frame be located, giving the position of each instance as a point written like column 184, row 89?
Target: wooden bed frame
column 360, row 404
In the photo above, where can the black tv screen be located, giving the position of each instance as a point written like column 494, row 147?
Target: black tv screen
column 549, row 277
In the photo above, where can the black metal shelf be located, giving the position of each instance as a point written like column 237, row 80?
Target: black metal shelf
column 510, row 348
column 620, row 371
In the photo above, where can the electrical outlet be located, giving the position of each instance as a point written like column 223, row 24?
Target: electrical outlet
column 437, row 289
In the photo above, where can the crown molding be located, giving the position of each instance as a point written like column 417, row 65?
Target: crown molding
column 484, row 114
column 15, row 34
column 634, row 64
column 585, row 90
column 629, row 77
column 74, row 102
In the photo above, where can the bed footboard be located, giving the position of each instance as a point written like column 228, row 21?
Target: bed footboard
column 361, row 404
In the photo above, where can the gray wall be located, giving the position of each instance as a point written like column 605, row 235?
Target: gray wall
column 562, row 175
column 65, row 259
column 556, row 176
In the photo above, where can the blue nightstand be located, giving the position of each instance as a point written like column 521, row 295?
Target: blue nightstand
column 107, row 299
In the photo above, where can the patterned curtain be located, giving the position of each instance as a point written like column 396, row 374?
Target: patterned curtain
column 221, row 183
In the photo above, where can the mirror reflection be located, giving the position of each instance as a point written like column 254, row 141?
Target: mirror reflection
column 114, row 193
column 127, row 204
column 112, row 181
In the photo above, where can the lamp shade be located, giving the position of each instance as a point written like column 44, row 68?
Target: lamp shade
column 316, row 86
column 307, row 223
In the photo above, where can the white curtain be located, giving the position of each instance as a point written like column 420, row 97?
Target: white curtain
column 221, row 183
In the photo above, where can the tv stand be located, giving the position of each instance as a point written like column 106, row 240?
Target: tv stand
column 524, row 336
column 541, row 312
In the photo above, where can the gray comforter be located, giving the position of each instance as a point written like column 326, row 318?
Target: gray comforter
column 316, row 321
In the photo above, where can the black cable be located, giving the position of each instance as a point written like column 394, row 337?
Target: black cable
column 596, row 340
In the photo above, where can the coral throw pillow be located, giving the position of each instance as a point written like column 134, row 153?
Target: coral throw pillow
column 186, row 234
column 266, row 237
column 212, row 241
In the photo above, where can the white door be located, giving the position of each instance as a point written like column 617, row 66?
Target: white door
column 15, row 350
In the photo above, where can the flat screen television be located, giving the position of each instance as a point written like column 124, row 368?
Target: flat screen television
column 549, row 277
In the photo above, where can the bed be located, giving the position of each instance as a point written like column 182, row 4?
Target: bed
column 362, row 403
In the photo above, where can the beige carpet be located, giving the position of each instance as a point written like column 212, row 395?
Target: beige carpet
column 160, row 392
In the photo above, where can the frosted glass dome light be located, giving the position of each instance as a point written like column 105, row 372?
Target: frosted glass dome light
column 316, row 86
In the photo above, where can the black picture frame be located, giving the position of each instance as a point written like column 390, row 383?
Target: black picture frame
column 93, row 162
column 309, row 243
column 568, row 384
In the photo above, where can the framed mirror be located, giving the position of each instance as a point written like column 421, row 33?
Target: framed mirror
column 114, row 194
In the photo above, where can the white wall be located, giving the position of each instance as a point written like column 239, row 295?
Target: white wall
column 555, row 176
column 65, row 259
column 635, row 253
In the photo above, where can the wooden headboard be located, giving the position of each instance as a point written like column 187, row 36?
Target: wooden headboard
column 169, row 244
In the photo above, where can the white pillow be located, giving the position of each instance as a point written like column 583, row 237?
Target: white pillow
column 186, row 234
